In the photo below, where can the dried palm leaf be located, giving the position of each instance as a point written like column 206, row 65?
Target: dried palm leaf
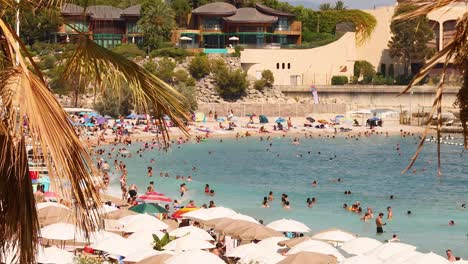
column 19, row 225
column 97, row 66
column 29, row 111
column 456, row 49
column 424, row 7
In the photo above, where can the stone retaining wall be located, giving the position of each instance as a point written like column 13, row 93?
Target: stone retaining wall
column 272, row 110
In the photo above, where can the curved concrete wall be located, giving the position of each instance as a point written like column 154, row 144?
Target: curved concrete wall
column 309, row 66
column 318, row 65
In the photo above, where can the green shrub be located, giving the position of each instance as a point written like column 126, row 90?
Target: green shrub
column 379, row 80
column 403, row 80
column 199, row 66
column 389, row 81
column 217, row 65
column 339, row 80
column 237, row 51
column 231, row 84
column 129, row 50
column 181, row 76
column 49, row 61
column 172, row 52
column 190, row 95
column 260, row 84
column 366, row 69
column 268, row 77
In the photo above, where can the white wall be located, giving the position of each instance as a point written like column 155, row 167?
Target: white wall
column 314, row 66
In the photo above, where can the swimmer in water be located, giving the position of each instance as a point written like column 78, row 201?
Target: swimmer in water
column 150, row 172
column 314, row 184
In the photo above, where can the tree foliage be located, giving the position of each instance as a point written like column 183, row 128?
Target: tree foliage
column 163, row 69
column 365, row 70
column 230, row 84
column 181, row 10
column 156, row 23
column 199, row 66
column 129, row 51
column 113, row 104
column 410, row 39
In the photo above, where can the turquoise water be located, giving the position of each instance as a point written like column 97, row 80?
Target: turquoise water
column 215, row 51
column 243, row 172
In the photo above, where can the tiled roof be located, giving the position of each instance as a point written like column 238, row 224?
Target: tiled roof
column 271, row 11
column 216, row 8
column 104, row 12
column 71, row 9
column 132, row 11
column 250, row 15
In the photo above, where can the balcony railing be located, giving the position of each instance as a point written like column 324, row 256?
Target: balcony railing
column 212, row 27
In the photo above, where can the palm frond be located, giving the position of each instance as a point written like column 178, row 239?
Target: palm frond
column 19, row 225
column 97, row 66
column 29, row 111
column 455, row 50
column 424, row 7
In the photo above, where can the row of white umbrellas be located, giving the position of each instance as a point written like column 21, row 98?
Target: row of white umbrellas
column 138, row 245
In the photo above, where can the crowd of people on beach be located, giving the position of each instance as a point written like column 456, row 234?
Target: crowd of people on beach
column 123, row 142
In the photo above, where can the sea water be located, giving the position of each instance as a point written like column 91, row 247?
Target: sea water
column 243, row 171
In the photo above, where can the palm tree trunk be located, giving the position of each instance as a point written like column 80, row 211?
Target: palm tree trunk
column 463, row 101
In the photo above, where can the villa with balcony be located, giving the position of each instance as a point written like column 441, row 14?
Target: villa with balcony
column 107, row 25
column 219, row 25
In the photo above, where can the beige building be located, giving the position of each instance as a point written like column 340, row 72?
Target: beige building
column 318, row 65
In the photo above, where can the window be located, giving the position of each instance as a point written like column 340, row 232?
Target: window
column 132, row 27
column 282, row 65
column 283, row 24
column 383, row 69
column 277, row 66
column 289, row 65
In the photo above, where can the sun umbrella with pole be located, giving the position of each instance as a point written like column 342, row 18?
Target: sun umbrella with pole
column 289, row 243
column 309, row 258
column 362, row 260
column 179, row 213
column 232, row 227
column 144, row 254
column 334, row 235
column 195, row 256
column 288, row 225
column 154, row 198
column 256, row 232
column 360, row 245
column 157, row 259
column 148, row 208
column 191, row 231
column 188, row 243
column 317, row 247
column 134, row 223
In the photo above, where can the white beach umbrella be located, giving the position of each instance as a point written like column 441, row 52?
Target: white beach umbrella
column 362, row 260
column 210, row 213
column 461, row 262
column 288, row 225
column 145, row 237
column 429, row 258
column 134, row 223
column 142, row 254
column 54, row 255
column 192, row 231
column 43, row 205
column 317, row 247
column 385, row 251
column 117, row 246
column 185, row 38
column 243, row 217
column 195, row 256
column 234, row 38
column 360, row 245
column 188, row 243
column 334, row 235
column 402, row 257
column 243, row 250
column 62, row 231
column 261, row 257
column 271, row 243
